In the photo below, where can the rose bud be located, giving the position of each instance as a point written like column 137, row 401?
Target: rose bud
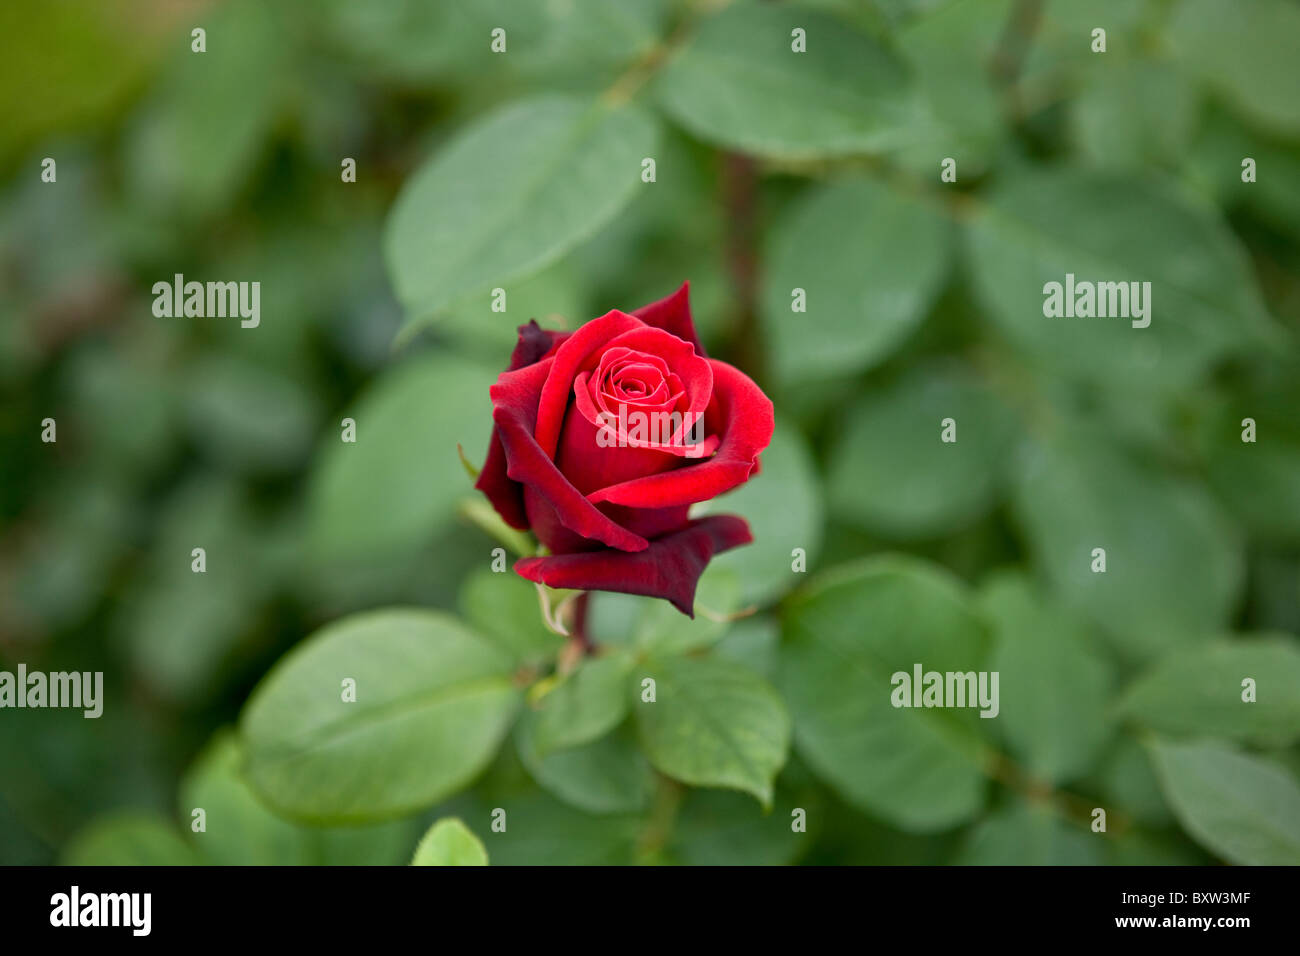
column 603, row 439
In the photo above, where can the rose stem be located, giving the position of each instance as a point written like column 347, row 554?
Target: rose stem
column 739, row 187
column 579, row 644
column 578, row 630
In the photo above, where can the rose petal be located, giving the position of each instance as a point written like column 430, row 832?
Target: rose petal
column 670, row 568
column 649, row 523
column 673, row 314
column 505, row 495
column 515, row 399
column 534, row 344
column 694, row 372
column 591, row 465
column 571, row 358
column 593, row 462
column 616, row 358
column 746, row 422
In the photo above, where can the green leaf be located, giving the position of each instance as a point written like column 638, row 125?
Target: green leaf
column 408, row 40
column 1024, row 835
column 869, row 260
column 1173, row 564
column 503, row 607
column 1198, row 691
column 450, row 843
column 1059, row 59
column 738, row 83
column 753, row 642
column 199, row 137
column 783, row 505
column 554, row 297
column 653, row 626
column 1128, row 781
column 586, row 705
column 433, row 702
column 578, row 39
column 1258, row 483
column 380, row 844
column 248, row 418
column 1142, row 848
column 541, row 831
column 215, row 609
column 608, row 775
column 950, row 47
column 128, row 400
column 237, row 830
column 1245, row 52
column 1256, row 480
column 1041, row 225
column 720, row 828
column 66, row 571
column 859, row 839
column 400, row 481
column 714, row 724
column 844, row 637
column 891, row 471
column 240, row 831
column 1244, row 809
column 510, row 194
column 414, row 41
column 1135, row 114
column 130, row 838
column 1055, row 682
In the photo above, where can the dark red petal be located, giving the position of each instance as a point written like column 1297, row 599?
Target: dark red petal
column 743, row 418
column 673, row 314
column 507, row 496
column 590, row 465
column 515, row 399
column 695, row 372
column 670, row 568
column 545, row 523
column 649, row 523
column 582, row 347
column 534, row 344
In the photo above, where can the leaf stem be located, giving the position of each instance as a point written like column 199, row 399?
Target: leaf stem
column 1069, row 806
column 629, row 83
column 659, row 822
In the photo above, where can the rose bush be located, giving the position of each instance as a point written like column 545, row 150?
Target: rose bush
column 577, row 457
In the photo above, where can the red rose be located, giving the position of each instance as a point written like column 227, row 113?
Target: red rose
column 606, row 436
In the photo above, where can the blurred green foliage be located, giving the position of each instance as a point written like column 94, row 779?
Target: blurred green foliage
column 774, row 171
